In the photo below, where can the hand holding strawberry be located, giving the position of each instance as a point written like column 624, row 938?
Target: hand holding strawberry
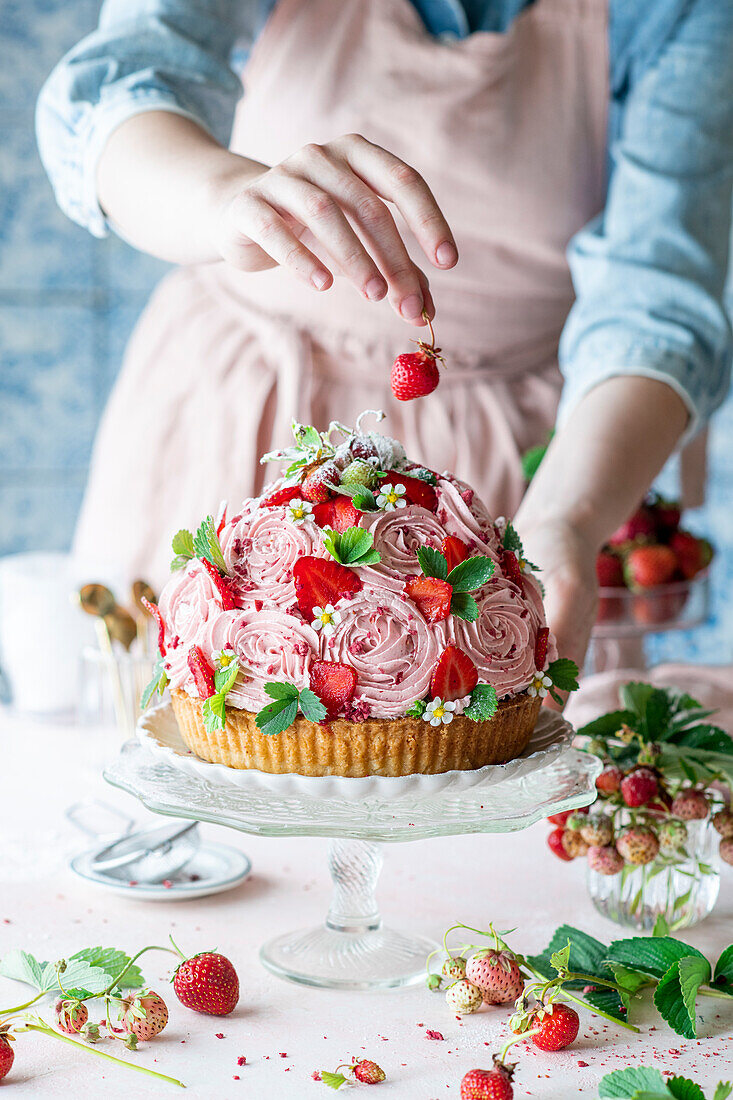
column 415, row 373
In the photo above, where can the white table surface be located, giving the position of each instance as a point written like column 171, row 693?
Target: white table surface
column 512, row 880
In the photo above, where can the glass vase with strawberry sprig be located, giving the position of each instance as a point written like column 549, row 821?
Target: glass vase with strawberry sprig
column 654, row 838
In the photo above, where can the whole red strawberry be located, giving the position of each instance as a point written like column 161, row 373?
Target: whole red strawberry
column 692, row 554
column 558, row 1027
column 71, row 1015
column 145, row 1015
column 609, row 570
column 555, row 844
column 561, row 818
column 639, row 787
column 416, row 374
column 316, row 485
column 369, row 1073
column 7, row 1055
column 667, row 514
column 642, row 525
column 609, row 780
column 207, row 983
column 488, row 1084
column 497, row 975
column 649, row 566
column 691, row 805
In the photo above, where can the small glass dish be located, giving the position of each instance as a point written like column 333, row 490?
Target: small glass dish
column 682, row 888
column 680, row 605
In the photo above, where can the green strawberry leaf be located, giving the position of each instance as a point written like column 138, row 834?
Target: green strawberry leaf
column 607, row 725
column 432, row 562
column 21, row 966
column 224, row 678
column 484, row 703
column 723, row 1091
column 682, row 1088
column 417, row 709
column 113, row 962
column 531, row 460
column 564, row 674
column 353, row 547
column 634, row 696
column 277, row 690
column 311, row 706
column 183, row 543
column 651, row 956
column 675, row 994
column 559, row 960
column 213, row 713
column 661, row 926
column 623, row 1084
column 471, row 574
column 277, row 717
column 206, row 545
column 512, row 541
column 333, row 1080
column 463, row 606
column 587, row 956
column 157, row 685
column 723, row 979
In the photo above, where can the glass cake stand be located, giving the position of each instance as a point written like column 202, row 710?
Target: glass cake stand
column 352, row 949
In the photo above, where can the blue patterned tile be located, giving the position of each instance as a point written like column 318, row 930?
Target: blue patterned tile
column 49, row 399
column 35, row 35
column 41, row 249
column 39, row 516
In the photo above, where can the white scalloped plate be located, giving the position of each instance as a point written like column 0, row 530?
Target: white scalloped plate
column 158, row 731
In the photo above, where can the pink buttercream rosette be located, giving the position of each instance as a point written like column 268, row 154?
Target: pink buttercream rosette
column 398, row 536
column 270, row 645
column 393, row 649
column 261, row 549
column 464, row 514
column 186, row 603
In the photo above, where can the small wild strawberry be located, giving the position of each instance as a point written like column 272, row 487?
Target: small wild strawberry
column 7, row 1054
column 145, row 1015
column 558, row 1027
column 691, row 805
column 639, row 787
column 71, row 1015
column 364, row 1070
column 497, row 975
column 488, row 1084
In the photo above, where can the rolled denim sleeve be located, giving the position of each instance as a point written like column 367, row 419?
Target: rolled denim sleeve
column 146, row 55
column 649, row 272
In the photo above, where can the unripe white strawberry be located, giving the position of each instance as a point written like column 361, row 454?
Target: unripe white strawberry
column 597, row 830
column 463, row 998
column 605, row 859
column 497, row 975
column 145, row 1015
column 454, row 967
column 638, row 845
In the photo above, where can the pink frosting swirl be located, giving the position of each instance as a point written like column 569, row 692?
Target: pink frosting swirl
column 502, row 640
column 393, row 649
column 261, row 549
column 462, row 513
column 270, row 645
column 397, row 537
column 186, row 603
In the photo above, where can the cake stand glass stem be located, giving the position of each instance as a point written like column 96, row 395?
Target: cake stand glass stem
column 355, row 866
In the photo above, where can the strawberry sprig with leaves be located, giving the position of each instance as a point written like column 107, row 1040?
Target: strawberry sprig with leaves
column 157, row 684
column 563, row 676
column 466, row 577
column 482, row 706
column 311, row 447
column 279, row 715
column 352, row 547
column 204, row 545
column 647, row 1083
column 213, row 711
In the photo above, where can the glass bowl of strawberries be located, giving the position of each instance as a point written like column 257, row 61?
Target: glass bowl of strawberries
column 652, row 574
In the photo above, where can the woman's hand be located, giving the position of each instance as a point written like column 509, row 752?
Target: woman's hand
column 324, row 210
column 172, row 190
column 568, row 574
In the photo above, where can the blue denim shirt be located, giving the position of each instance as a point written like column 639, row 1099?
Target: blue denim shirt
column 648, row 272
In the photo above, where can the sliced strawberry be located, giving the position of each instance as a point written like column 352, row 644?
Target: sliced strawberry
column 222, row 585
column 510, row 568
column 202, row 672
column 154, row 612
column 282, row 496
column 541, row 644
column 338, row 513
column 455, row 675
column 431, row 595
column 222, row 521
column 416, row 491
column 454, row 551
column 334, row 684
column 319, row 581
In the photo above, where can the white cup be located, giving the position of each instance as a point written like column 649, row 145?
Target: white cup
column 42, row 632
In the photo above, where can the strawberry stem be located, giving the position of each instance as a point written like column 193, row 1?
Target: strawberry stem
column 44, row 1029
column 128, row 964
column 19, row 1008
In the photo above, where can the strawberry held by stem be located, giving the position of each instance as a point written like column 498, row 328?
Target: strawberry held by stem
column 415, row 373
column 206, row 983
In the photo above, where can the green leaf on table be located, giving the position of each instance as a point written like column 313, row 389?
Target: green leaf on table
column 20, row 966
column 463, row 606
column 623, row 1084
column 682, row 1088
column 206, row 544
column 157, row 685
column 723, row 979
column 607, row 725
column 113, row 962
column 484, row 703
column 650, row 955
column 655, row 716
column 634, row 696
column 333, row 1080
column 675, row 994
column 471, row 574
column 587, row 954
column 432, row 562
column 708, row 738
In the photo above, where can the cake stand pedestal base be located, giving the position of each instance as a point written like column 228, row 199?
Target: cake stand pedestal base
column 351, row 950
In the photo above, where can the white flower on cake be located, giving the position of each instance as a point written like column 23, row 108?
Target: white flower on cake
column 391, row 497
column 437, row 712
column 224, row 657
column 300, row 511
column 540, row 685
column 326, row 619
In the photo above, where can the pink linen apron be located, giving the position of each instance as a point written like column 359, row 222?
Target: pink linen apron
column 509, row 131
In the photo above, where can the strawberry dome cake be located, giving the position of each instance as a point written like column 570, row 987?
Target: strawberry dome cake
column 363, row 616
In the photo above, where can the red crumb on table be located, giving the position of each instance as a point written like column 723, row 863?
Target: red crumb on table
column 220, row 1035
column 167, row 883
column 282, row 1054
column 316, row 1075
column 241, row 1060
column 583, row 1065
column 433, row 1034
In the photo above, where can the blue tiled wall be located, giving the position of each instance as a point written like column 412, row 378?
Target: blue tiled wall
column 68, row 302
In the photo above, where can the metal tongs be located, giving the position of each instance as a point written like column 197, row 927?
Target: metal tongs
column 146, row 855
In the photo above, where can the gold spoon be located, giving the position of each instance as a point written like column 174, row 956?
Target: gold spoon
column 141, row 590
